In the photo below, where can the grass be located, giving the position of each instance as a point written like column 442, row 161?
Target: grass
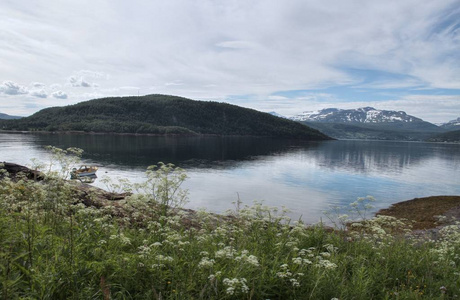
column 54, row 245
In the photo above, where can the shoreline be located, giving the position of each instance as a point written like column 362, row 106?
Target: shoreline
column 427, row 212
column 158, row 134
column 424, row 212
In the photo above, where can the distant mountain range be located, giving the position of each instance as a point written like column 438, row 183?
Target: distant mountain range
column 8, row 117
column 371, row 123
column 452, row 125
column 360, row 115
column 162, row 114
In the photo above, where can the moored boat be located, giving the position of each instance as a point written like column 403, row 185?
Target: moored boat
column 83, row 171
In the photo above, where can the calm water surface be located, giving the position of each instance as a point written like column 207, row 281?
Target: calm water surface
column 306, row 177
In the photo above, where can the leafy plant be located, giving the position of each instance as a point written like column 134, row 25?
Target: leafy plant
column 52, row 246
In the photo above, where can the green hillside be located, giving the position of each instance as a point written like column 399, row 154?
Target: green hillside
column 377, row 131
column 161, row 114
column 451, row 136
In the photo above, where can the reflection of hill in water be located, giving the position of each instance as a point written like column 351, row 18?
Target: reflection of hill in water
column 206, row 151
column 224, row 152
column 385, row 157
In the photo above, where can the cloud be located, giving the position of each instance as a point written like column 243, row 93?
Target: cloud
column 38, row 85
column 39, row 93
column 12, row 88
column 59, row 95
column 235, row 45
column 92, row 74
column 55, row 86
column 78, row 81
column 177, row 83
column 432, row 108
column 218, row 49
column 129, row 88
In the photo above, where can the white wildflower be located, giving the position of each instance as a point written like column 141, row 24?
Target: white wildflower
column 236, row 285
column 326, row 264
column 206, row 263
column 294, row 282
column 297, row 260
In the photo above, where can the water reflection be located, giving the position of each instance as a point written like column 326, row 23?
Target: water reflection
column 227, row 152
column 306, row 177
column 377, row 156
column 190, row 152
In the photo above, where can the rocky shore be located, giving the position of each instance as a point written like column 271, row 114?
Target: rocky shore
column 428, row 214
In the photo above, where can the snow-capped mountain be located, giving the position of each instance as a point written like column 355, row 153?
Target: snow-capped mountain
column 368, row 123
column 359, row 115
column 452, row 125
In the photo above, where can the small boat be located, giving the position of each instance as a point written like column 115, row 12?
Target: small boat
column 83, row 171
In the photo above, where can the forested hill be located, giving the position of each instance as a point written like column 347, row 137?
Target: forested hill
column 160, row 114
column 451, row 136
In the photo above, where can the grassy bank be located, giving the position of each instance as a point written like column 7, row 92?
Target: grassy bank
column 58, row 241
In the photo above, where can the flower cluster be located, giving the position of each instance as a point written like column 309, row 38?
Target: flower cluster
column 236, row 286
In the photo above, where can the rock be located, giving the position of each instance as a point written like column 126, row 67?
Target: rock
column 14, row 170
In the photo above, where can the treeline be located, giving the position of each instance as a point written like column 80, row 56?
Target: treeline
column 451, row 136
column 376, row 131
column 161, row 114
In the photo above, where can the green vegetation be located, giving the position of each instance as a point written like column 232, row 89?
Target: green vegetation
column 451, row 136
column 160, row 114
column 377, row 131
column 56, row 243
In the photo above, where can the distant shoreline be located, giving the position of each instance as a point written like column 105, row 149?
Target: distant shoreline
column 199, row 135
column 155, row 134
column 98, row 133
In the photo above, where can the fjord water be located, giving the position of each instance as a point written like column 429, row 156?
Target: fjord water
column 306, row 177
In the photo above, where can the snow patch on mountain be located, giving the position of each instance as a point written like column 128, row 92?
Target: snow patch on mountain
column 359, row 115
column 452, row 124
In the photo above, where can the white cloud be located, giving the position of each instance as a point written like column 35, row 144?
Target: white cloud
column 55, row 86
column 93, row 74
column 39, row 93
column 78, row 82
column 59, row 95
column 12, row 88
column 210, row 50
column 129, row 88
column 431, row 108
column 79, row 79
column 235, row 45
column 177, row 83
column 38, row 85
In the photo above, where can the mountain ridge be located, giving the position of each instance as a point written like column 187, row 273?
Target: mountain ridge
column 162, row 114
column 359, row 115
column 368, row 123
column 8, row 117
column 452, row 124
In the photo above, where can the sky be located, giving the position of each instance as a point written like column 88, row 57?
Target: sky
column 284, row 56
